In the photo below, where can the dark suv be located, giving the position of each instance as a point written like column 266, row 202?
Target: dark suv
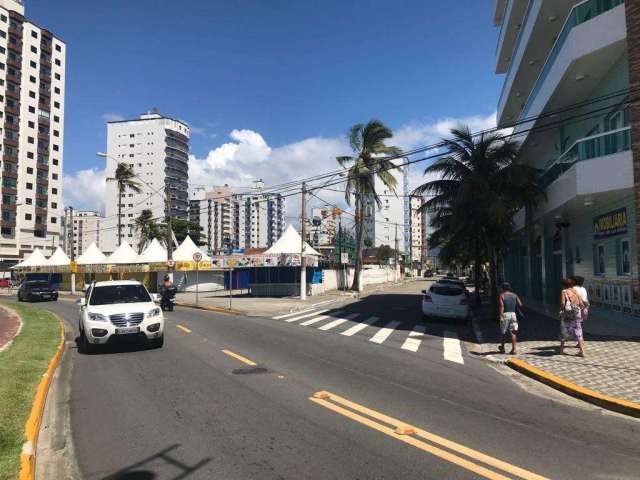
column 32, row 290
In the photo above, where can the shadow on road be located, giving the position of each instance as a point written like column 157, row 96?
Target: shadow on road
column 140, row 470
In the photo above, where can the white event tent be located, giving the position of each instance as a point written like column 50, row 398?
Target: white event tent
column 290, row 242
column 185, row 251
column 154, row 253
column 123, row 254
column 92, row 256
column 58, row 259
column 36, row 259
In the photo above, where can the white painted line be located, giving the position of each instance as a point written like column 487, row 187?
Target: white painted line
column 384, row 332
column 411, row 343
column 452, row 350
column 280, row 317
column 306, row 315
column 338, row 321
column 325, row 302
column 318, row 319
column 361, row 326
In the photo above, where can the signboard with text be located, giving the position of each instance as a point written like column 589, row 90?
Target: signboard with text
column 610, row 224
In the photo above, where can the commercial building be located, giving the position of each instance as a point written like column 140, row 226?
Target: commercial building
column 232, row 221
column 32, row 89
column 87, row 229
column 156, row 149
column 321, row 228
column 571, row 101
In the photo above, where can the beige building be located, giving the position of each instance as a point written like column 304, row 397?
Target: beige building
column 32, row 88
column 87, row 229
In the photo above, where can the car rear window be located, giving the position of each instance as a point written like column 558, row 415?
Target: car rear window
column 37, row 283
column 111, row 294
column 446, row 290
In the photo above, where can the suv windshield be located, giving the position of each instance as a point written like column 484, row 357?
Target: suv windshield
column 119, row 294
column 37, row 283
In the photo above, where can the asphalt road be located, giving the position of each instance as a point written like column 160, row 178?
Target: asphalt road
column 190, row 410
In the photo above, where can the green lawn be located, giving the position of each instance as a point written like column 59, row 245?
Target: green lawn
column 21, row 369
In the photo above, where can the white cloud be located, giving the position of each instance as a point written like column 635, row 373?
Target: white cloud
column 112, row 117
column 84, row 189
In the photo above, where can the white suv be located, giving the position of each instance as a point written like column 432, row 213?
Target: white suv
column 118, row 310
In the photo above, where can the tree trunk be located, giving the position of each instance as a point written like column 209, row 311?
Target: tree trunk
column 493, row 277
column 119, row 216
column 359, row 241
column 478, row 273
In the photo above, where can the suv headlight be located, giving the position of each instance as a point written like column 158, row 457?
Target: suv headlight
column 154, row 313
column 97, row 317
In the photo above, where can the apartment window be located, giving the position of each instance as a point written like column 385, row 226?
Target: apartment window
column 30, row 155
column 1, row 66
column 56, row 90
column 31, row 124
column 55, row 161
column 56, row 133
column 27, row 216
column 57, row 75
column 55, row 148
column 56, row 118
column 3, row 34
column 3, row 18
column 54, row 205
column 29, row 186
column 31, row 140
column 29, row 170
column 34, row 49
column 56, row 104
column 39, row 233
column 58, row 48
column 32, row 109
column 28, row 201
column 33, row 64
column 54, row 176
column 34, row 34
column 32, row 79
column 54, row 220
column 57, row 62
column 54, row 191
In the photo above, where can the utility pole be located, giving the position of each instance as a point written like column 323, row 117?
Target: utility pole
column 303, row 267
column 73, row 251
column 169, row 235
column 411, row 235
column 396, row 265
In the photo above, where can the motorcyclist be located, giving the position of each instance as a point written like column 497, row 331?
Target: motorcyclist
column 168, row 292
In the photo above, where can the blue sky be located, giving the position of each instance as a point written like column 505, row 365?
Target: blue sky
column 287, row 71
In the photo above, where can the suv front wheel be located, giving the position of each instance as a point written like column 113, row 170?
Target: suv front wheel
column 85, row 346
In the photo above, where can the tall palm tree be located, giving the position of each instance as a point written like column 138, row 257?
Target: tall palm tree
column 147, row 228
column 124, row 178
column 479, row 188
column 371, row 159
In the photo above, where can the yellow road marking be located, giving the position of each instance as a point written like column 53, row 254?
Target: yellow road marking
column 240, row 357
column 456, row 447
column 184, row 329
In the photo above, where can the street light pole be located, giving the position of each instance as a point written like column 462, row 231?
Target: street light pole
column 169, row 234
column 73, row 250
column 303, row 267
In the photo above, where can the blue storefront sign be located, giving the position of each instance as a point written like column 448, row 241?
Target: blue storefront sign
column 610, row 224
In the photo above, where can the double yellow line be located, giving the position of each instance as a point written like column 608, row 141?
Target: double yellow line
column 412, row 435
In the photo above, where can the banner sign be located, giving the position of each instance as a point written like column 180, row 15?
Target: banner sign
column 610, row 224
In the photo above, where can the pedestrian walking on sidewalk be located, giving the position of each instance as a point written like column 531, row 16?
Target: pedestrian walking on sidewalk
column 578, row 283
column 508, row 305
column 571, row 307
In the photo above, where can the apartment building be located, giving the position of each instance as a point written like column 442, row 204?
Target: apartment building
column 87, row 229
column 571, row 71
column 232, row 221
column 156, row 149
column 385, row 224
column 321, row 228
column 32, row 88
column 416, row 229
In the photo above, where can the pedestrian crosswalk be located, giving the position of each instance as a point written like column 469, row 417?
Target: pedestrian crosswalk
column 410, row 338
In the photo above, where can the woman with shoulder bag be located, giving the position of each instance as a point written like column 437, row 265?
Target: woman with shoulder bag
column 571, row 306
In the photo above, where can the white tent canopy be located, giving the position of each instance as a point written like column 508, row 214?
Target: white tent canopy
column 36, row 259
column 184, row 253
column 58, row 259
column 154, row 253
column 92, row 256
column 290, row 242
column 123, row 254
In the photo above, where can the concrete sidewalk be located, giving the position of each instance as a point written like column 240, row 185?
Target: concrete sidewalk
column 268, row 306
column 611, row 367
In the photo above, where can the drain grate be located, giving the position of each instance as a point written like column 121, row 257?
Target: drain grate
column 252, row 370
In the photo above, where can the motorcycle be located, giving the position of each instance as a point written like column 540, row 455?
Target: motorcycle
column 168, row 298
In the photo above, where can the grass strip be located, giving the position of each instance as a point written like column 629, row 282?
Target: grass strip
column 21, row 368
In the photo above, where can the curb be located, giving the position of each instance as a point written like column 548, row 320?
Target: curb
column 32, row 427
column 210, row 309
column 610, row 403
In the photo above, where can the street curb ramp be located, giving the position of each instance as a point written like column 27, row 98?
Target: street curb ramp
column 32, row 427
column 610, row 403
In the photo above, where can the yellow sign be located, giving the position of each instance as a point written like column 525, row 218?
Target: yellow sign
column 74, row 266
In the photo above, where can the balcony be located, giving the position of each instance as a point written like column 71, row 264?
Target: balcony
column 14, row 45
column 593, row 165
column 13, row 78
column 510, row 26
column 9, row 207
column 10, row 174
column 14, row 62
column 14, row 110
column 15, row 93
column 8, row 223
column 9, row 190
column 10, row 142
column 579, row 58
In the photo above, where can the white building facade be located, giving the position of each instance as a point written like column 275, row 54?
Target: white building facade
column 232, row 221
column 156, row 149
column 417, row 238
column 321, row 228
column 385, row 225
column 87, row 229
column 32, row 90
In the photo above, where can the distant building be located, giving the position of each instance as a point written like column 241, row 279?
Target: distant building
column 385, row 225
column 156, row 148
column 322, row 226
column 87, row 229
column 32, row 80
column 417, row 237
column 237, row 220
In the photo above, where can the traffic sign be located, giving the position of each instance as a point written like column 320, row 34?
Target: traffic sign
column 171, row 263
column 197, row 256
column 344, row 258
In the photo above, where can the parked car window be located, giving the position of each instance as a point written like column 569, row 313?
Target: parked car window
column 446, row 290
column 119, row 294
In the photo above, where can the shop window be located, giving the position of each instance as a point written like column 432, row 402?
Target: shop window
column 623, row 257
column 599, row 259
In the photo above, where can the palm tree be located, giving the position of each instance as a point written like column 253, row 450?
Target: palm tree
column 147, row 228
column 479, row 189
column 372, row 159
column 125, row 178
